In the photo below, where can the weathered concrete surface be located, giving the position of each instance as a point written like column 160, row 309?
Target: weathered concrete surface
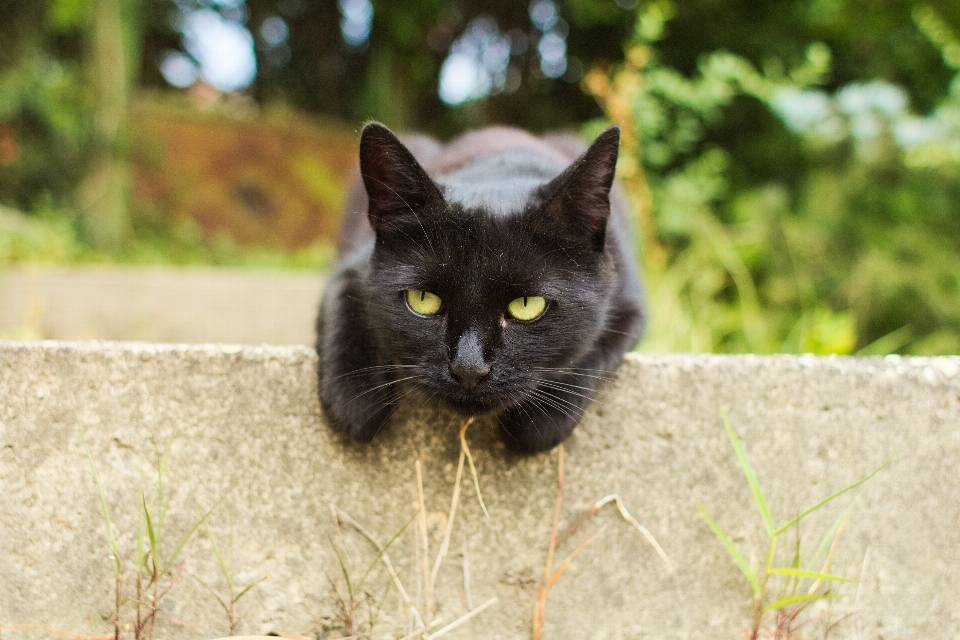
column 244, row 428
column 159, row 304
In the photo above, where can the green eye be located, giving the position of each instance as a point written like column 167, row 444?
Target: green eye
column 423, row 303
column 527, row 308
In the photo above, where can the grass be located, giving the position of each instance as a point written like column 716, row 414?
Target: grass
column 800, row 583
column 781, row 588
column 155, row 570
column 233, row 596
column 422, row 619
column 551, row 575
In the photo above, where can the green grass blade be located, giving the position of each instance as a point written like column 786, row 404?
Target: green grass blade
column 811, row 575
column 186, row 538
column 750, row 475
column 833, row 496
column 384, row 550
column 827, row 540
column 223, row 565
column 738, row 558
column 103, row 499
column 796, row 599
column 343, row 567
column 248, row 587
column 151, row 532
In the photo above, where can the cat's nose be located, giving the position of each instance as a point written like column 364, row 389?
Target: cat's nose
column 470, row 377
column 468, row 366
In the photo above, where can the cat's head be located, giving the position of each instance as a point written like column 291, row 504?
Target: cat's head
column 484, row 297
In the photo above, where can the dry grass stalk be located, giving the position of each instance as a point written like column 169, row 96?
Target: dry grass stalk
column 342, row 515
column 615, row 498
column 426, row 549
column 541, row 605
column 456, row 623
column 464, row 449
column 455, row 499
column 454, row 502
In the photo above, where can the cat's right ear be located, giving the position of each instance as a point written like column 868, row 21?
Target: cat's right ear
column 396, row 183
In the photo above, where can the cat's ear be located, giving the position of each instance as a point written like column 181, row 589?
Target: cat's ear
column 396, row 183
column 579, row 198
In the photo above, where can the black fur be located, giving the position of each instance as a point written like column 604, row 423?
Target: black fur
column 494, row 216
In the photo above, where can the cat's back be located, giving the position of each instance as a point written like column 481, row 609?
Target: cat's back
column 497, row 168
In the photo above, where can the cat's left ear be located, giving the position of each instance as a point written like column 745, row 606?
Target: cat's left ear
column 579, row 198
column 396, row 183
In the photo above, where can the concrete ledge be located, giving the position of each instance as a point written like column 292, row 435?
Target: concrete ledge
column 159, row 304
column 244, row 429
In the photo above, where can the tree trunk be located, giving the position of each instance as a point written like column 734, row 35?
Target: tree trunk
column 104, row 193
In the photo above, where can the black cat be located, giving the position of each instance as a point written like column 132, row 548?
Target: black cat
column 490, row 273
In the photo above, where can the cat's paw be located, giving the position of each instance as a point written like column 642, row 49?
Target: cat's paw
column 358, row 419
column 532, row 427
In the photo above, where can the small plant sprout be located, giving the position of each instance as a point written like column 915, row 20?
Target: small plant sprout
column 156, row 572
column 799, row 583
column 153, row 566
column 226, row 569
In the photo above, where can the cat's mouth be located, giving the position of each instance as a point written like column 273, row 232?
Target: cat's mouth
column 477, row 402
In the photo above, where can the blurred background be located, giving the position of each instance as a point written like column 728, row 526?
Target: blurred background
column 794, row 165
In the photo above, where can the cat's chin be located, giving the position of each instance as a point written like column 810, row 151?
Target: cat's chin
column 470, row 405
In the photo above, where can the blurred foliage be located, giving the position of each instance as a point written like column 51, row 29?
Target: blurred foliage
column 795, row 164
column 845, row 243
column 46, row 134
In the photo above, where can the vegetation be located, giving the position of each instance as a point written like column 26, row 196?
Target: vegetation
column 782, row 589
column 839, row 236
column 795, row 167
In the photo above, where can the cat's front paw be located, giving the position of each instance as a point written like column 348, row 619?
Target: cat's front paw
column 533, row 427
column 359, row 419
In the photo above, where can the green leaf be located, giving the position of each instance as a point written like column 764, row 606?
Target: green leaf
column 750, row 475
column 832, row 496
column 738, row 558
column 786, row 602
column 812, row 575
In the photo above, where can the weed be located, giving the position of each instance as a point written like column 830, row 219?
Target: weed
column 226, row 569
column 550, row 576
column 799, row 583
column 156, row 572
column 423, row 621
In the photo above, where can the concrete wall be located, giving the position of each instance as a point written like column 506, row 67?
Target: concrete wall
column 245, row 434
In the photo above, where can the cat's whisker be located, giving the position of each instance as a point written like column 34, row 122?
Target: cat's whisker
column 560, row 402
column 371, row 371
column 379, row 386
column 568, row 385
column 522, row 408
column 611, row 371
column 574, row 373
column 573, row 393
